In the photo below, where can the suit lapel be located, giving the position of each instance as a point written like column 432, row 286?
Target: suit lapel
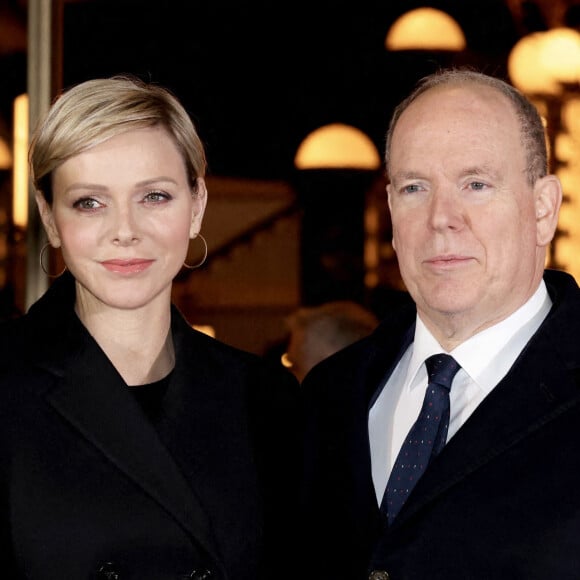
column 536, row 391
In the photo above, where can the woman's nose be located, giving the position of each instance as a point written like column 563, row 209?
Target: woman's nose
column 125, row 228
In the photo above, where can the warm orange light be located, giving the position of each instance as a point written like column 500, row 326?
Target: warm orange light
column 205, row 328
column 571, row 115
column 285, row 360
column 5, row 155
column 337, row 146
column 425, row 29
column 20, row 171
column 541, row 61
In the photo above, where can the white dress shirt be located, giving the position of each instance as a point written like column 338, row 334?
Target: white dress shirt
column 485, row 359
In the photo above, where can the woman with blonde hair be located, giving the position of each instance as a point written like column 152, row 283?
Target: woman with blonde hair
column 131, row 445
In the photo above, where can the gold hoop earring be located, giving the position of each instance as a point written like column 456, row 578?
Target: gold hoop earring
column 44, row 248
column 200, row 263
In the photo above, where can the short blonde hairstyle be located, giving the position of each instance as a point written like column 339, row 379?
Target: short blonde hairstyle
column 96, row 110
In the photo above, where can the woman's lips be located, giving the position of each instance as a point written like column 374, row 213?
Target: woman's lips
column 127, row 266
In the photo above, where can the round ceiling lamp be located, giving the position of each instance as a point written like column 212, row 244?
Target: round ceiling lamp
column 541, row 62
column 425, row 29
column 337, row 146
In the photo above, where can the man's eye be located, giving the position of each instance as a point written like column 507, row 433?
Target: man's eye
column 477, row 185
column 413, row 188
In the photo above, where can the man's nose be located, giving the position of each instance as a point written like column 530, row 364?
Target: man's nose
column 445, row 211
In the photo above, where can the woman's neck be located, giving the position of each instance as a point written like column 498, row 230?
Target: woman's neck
column 138, row 342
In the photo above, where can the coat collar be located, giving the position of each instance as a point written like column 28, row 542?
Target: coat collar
column 91, row 396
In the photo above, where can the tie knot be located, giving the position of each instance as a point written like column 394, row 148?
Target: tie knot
column 441, row 369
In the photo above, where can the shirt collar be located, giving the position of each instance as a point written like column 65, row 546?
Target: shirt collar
column 479, row 355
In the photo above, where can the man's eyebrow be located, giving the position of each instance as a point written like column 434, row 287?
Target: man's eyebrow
column 402, row 175
column 478, row 170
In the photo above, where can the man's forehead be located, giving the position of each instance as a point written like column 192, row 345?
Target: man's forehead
column 459, row 109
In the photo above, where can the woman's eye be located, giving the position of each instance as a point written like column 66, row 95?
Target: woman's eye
column 87, row 203
column 156, row 196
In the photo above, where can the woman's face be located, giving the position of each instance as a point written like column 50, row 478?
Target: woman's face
column 123, row 214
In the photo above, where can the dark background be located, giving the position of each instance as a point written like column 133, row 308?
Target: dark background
column 258, row 77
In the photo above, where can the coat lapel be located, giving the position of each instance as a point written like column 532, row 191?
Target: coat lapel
column 215, row 455
column 538, row 389
column 92, row 397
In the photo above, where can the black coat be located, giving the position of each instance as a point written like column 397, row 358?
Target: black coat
column 90, row 489
column 502, row 500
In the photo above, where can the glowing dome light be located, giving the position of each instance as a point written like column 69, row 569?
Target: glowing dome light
column 337, row 146
column 540, row 61
column 425, row 29
column 561, row 54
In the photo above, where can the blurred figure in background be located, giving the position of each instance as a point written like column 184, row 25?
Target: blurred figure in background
column 316, row 332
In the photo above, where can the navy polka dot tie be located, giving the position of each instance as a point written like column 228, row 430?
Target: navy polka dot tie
column 427, row 436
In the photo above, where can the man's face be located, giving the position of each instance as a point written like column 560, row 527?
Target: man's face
column 465, row 218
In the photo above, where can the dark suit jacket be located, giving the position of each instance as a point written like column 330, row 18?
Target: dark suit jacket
column 502, row 500
column 90, row 489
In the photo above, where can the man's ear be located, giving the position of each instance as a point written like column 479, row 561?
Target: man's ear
column 198, row 208
column 388, row 189
column 548, row 199
column 48, row 221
